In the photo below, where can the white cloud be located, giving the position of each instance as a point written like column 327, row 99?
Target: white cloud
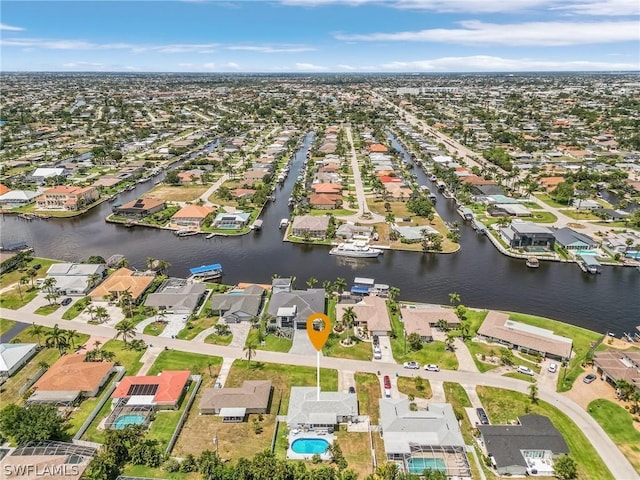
column 185, row 64
column 209, row 66
column 600, row 8
column 346, row 67
column 310, row 67
column 232, row 65
column 486, row 63
column 271, row 49
column 10, row 28
column 83, row 65
column 65, row 44
column 474, row 32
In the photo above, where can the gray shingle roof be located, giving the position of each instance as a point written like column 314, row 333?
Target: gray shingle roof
column 306, row 301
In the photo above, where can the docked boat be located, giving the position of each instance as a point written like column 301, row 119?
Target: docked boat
column 441, row 185
column 205, row 273
column 130, row 188
column 533, row 262
column 284, row 223
column 358, row 249
column 433, row 178
column 144, row 180
column 257, row 225
column 211, row 235
column 185, row 233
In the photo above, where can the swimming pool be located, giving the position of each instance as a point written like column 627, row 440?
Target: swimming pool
column 125, row 420
column 635, row 255
column 586, row 252
column 419, row 465
column 310, row 445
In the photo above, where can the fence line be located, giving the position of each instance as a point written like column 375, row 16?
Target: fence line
column 185, row 413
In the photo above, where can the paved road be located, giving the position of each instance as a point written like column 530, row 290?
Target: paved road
column 620, row 467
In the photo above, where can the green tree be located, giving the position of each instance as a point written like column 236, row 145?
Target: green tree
column 311, row 282
column 563, row 192
column 565, row 468
column 415, row 341
column 37, row 330
column 249, row 352
column 349, row 316
column 394, row 293
column 172, row 178
column 339, row 284
column 57, row 338
column 126, row 329
column 95, row 259
column 33, row 423
column 507, row 357
column 533, row 392
column 454, row 298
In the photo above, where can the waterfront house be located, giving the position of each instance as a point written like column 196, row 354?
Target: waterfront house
column 572, row 240
column 306, row 412
column 234, row 404
column 521, row 234
column 315, row 227
column 281, row 285
column 191, row 216
column 176, row 295
column 140, row 207
column 13, row 356
column 234, row 307
column 290, row 309
column 123, row 280
column 585, row 204
column 528, row 448
column 529, row 339
column 162, row 391
column 70, row 378
column 231, row 221
column 350, row 230
column 416, row 440
column 327, row 188
column 40, row 175
column 66, row 198
column 615, row 365
column 17, row 198
column 255, row 175
column 325, row 201
column 371, row 312
column 75, row 278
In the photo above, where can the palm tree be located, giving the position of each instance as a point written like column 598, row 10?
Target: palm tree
column 249, row 352
column 454, row 298
column 97, row 344
column 127, row 299
column 311, row 282
column 328, row 287
column 57, row 338
column 48, row 284
column 162, row 266
column 126, row 329
column 151, row 263
column 23, row 281
column 93, row 279
column 533, row 393
column 349, row 317
column 102, row 315
column 339, row 284
column 37, row 330
column 71, row 336
column 394, row 292
column 32, row 273
column 43, row 365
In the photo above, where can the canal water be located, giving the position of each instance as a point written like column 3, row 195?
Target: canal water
column 482, row 276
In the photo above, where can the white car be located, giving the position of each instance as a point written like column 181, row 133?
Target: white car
column 432, row 368
column 525, row 370
column 553, row 368
column 411, row 365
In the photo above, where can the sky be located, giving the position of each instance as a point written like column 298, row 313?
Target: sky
column 320, row 36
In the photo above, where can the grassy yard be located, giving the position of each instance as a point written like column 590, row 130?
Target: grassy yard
column 519, row 376
column 82, row 412
column 177, row 193
column 358, row 350
column 197, row 363
column 155, row 328
column 271, row 342
column 582, row 341
column 618, row 423
column 503, row 406
column 412, row 386
column 47, row 309
column 215, row 339
column 148, row 472
column 549, row 201
column 194, row 327
column 166, row 421
column 76, row 309
column 6, row 325
column 355, row 447
column 14, row 276
column 368, row 391
column 541, row 216
column 129, row 359
column 9, row 391
column 13, row 300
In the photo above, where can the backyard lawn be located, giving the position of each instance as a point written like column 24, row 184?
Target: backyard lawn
column 9, row 391
column 618, row 423
column 356, row 451
column 165, row 423
column 15, row 275
column 503, row 406
column 368, row 391
column 206, row 365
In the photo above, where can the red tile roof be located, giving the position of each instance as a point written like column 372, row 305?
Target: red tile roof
column 170, row 386
column 71, row 372
column 378, row 148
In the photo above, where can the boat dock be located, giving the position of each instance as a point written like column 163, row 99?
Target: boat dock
column 589, row 264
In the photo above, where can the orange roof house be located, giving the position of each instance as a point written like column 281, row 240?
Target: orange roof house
column 4, row 189
column 191, row 216
column 166, row 388
column 549, row 183
column 242, row 192
column 73, row 373
column 378, row 148
column 324, row 200
column 123, row 280
column 327, row 188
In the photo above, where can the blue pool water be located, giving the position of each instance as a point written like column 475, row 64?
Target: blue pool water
column 419, row 465
column 635, row 255
column 310, row 445
column 125, row 420
column 586, row 252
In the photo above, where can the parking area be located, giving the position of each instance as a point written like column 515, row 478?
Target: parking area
column 385, row 350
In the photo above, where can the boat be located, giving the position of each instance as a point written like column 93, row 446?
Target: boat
column 112, row 198
column 441, row 185
column 144, row 180
column 357, row 249
column 185, row 233
column 130, row 188
column 433, row 178
column 257, row 225
column 533, row 262
column 211, row 235
column 205, row 273
column 589, row 264
column 284, row 223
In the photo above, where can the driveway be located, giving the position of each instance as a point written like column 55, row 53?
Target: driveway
column 385, row 347
column 240, row 333
column 302, row 344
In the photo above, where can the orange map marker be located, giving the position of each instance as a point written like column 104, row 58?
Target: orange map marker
column 318, row 329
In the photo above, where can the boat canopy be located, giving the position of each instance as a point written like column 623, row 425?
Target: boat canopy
column 359, row 289
column 205, row 268
column 590, row 260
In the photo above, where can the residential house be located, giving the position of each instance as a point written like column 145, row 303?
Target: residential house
column 234, row 404
column 123, row 280
column 140, row 207
column 528, row 448
column 325, row 201
column 585, row 204
column 176, row 295
column 191, row 216
column 40, row 175
column 13, row 356
column 235, row 307
column 508, row 210
column 332, row 408
column 350, row 230
column 17, row 198
column 243, row 193
column 76, row 278
column 162, row 392
column 290, row 309
column 70, row 378
column 371, row 312
column 67, row 198
column 190, row 176
column 231, row 221
column 521, row 234
column 421, row 320
column 327, row 188
column 529, row 339
column 417, row 439
column 315, row 227
column 616, row 365
column 280, row 285
column 253, row 176
column 571, row 240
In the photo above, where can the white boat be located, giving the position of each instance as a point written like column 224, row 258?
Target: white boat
column 257, row 225
column 284, row 222
column 206, row 273
column 533, row 262
column 358, row 249
column 185, row 233
column 211, row 235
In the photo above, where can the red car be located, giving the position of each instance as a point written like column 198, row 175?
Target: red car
column 387, row 381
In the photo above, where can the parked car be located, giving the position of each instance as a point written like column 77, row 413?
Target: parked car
column 66, row 302
column 553, row 368
column 432, row 368
column 387, row 393
column 377, row 355
column 525, row 370
column 352, row 389
column 482, row 415
column 411, row 365
column 376, row 340
column 589, row 378
column 387, row 381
